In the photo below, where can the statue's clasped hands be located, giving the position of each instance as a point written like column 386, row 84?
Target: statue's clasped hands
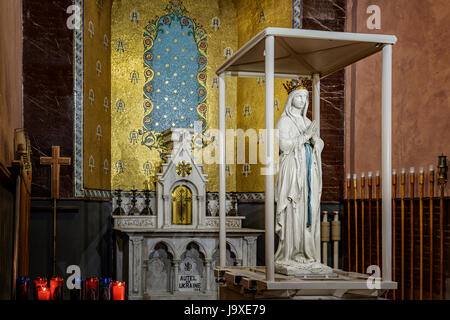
column 311, row 131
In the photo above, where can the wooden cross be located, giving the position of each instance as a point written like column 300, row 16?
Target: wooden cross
column 55, row 161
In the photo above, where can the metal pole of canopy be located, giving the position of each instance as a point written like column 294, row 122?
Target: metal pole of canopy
column 222, row 186
column 269, row 194
column 386, row 155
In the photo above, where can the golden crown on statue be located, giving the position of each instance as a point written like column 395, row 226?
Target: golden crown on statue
column 295, row 85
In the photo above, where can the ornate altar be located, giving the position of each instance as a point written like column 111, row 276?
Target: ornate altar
column 172, row 254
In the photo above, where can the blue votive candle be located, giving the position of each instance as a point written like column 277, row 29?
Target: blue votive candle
column 77, row 290
column 105, row 288
column 22, row 288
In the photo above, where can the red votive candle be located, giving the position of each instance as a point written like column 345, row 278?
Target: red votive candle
column 43, row 293
column 56, row 288
column 38, row 282
column 91, row 289
column 118, row 290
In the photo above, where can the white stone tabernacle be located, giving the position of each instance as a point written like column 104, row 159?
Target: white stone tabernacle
column 298, row 189
column 173, row 254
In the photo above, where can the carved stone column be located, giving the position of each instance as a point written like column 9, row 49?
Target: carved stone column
column 201, row 212
column 176, row 265
column 208, row 275
column 136, row 243
column 144, row 275
column 251, row 250
column 166, row 211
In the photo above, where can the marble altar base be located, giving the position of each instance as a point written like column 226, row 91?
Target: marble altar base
column 177, row 264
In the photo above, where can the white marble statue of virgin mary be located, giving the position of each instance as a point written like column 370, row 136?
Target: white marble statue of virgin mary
column 298, row 190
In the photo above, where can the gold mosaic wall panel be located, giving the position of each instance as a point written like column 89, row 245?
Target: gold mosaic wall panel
column 97, row 94
column 253, row 17
column 134, row 165
column 129, row 164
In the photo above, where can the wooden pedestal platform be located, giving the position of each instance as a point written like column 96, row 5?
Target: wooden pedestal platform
column 242, row 283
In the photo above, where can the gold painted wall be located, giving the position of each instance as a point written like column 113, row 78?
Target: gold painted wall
column 97, row 112
column 252, row 18
column 129, row 156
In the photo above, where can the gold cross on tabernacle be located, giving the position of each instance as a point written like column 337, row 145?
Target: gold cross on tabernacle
column 55, row 161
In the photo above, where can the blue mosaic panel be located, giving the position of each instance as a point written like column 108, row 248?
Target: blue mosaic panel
column 175, row 75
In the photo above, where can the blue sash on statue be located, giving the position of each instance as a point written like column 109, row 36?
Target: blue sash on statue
column 308, row 170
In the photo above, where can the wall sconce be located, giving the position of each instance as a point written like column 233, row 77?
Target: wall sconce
column 20, row 143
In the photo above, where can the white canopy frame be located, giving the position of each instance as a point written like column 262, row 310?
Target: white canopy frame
column 311, row 54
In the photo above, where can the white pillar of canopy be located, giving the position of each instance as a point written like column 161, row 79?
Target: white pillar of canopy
column 316, row 99
column 386, row 163
column 270, row 159
column 222, row 185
